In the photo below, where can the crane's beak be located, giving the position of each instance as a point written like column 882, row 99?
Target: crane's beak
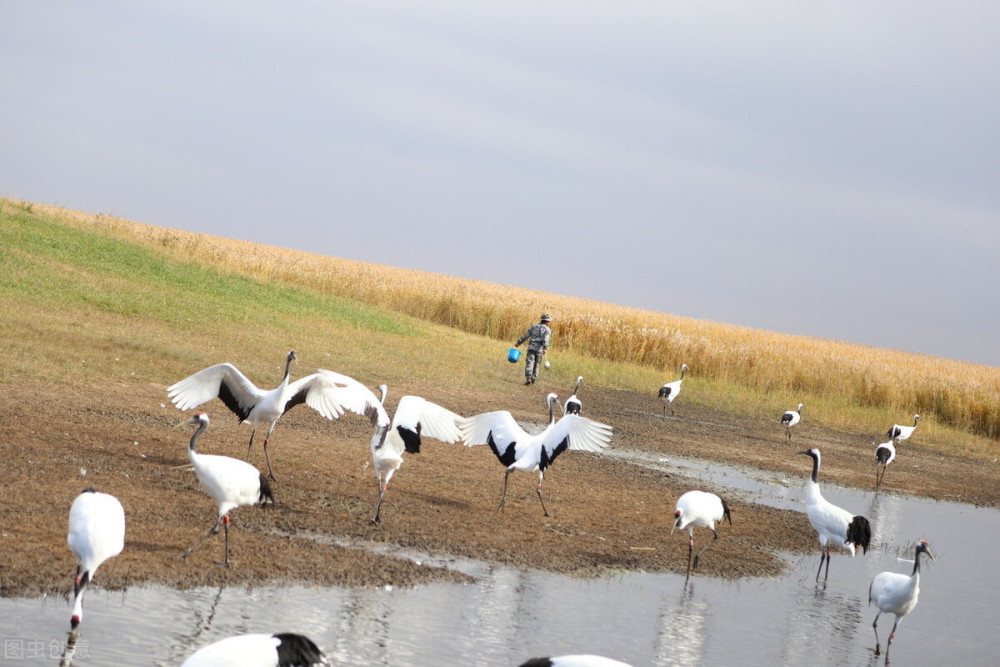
column 186, row 422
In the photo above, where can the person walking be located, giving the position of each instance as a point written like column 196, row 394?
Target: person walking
column 538, row 336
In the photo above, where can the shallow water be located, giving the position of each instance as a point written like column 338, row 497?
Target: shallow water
column 646, row 619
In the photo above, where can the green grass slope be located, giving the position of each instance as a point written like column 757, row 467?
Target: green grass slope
column 80, row 306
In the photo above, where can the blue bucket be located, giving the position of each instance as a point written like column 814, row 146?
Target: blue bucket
column 513, row 354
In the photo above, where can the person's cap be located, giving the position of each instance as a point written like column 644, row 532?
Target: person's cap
column 546, row 318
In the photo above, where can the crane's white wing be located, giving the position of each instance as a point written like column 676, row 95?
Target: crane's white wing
column 239, row 651
column 331, row 394
column 888, row 590
column 670, row 389
column 230, row 482
column 477, row 430
column 224, row 381
column 96, row 528
column 258, row 650
column 574, row 432
column 830, row 520
column 416, row 417
column 426, row 418
column 498, row 430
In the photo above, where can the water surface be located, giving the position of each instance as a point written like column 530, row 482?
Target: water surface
column 509, row 615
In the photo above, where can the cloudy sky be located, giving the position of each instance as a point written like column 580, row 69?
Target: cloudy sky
column 826, row 169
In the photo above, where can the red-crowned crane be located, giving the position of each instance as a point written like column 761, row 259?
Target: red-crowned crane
column 230, row 482
column 259, row 650
column 320, row 391
column 833, row 525
column 669, row 391
column 900, row 433
column 790, row 419
column 516, row 449
column 895, row 593
column 702, row 509
column 414, row 417
column 573, row 405
column 96, row 533
column 885, row 454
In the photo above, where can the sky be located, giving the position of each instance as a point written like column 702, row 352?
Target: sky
column 826, row 169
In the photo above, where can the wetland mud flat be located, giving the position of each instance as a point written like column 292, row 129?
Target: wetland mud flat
column 609, row 515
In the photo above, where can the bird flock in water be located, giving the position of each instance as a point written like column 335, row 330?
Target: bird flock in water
column 97, row 520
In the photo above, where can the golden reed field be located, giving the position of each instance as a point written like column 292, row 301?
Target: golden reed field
column 862, row 383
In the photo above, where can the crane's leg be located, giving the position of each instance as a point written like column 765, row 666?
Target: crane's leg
column 823, row 555
column 250, row 444
column 503, row 499
column 270, row 473
column 267, row 441
column 211, row 531
column 225, row 525
column 878, row 647
column 715, row 536
column 892, row 635
column 538, row 490
column 378, row 505
column 827, row 575
column 690, row 556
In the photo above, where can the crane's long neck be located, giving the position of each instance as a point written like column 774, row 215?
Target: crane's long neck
column 813, row 494
column 576, row 389
column 192, row 446
column 77, row 614
column 683, row 371
column 288, row 370
column 381, row 430
column 916, row 565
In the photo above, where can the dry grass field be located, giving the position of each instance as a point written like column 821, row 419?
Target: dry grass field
column 737, row 369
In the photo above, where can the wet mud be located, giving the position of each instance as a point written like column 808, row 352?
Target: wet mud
column 607, row 515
